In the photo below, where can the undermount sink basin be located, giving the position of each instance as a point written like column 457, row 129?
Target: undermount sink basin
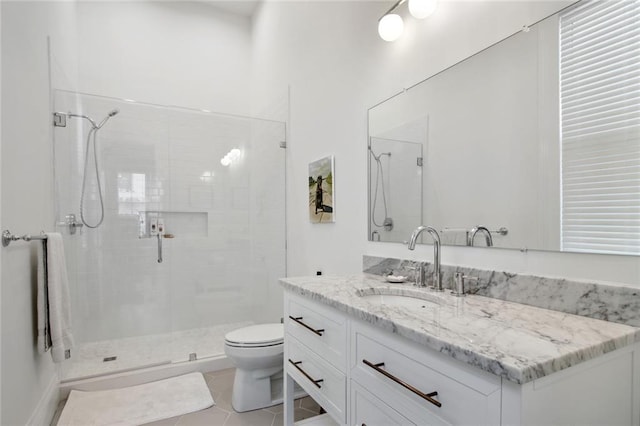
column 404, row 301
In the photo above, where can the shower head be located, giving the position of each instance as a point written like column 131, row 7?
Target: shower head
column 109, row 115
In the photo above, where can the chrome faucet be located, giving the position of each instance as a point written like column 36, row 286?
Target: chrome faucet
column 436, row 252
column 484, row 230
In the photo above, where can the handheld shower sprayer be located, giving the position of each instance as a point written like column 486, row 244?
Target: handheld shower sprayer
column 109, row 115
column 387, row 223
column 89, row 119
column 91, row 137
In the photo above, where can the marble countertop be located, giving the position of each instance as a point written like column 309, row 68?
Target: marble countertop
column 518, row 342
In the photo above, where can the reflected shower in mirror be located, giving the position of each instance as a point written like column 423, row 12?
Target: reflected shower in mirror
column 536, row 138
column 395, row 174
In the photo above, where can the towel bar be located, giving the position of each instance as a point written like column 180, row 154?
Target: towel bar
column 8, row 237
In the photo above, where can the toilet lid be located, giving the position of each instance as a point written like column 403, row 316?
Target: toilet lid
column 262, row 334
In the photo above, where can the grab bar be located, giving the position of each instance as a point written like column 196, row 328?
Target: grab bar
column 8, row 237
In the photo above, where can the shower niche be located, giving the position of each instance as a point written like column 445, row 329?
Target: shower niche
column 171, row 224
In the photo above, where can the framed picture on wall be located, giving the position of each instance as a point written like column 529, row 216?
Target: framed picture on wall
column 321, row 191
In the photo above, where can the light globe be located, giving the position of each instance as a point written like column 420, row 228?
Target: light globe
column 390, row 27
column 422, row 9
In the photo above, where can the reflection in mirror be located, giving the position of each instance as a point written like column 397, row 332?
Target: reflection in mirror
column 536, row 139
column 395, row 173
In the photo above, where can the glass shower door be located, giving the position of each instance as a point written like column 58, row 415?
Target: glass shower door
column 193, row 238
column 227, row 222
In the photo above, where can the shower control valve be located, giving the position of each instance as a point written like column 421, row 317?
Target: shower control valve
column 71, row 222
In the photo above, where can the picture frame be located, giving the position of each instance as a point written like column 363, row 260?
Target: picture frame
column 322, row 190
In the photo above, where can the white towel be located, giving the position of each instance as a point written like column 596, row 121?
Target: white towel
column 44, row 338
column 53, row 298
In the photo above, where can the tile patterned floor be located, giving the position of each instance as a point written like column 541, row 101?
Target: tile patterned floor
column 222, row 414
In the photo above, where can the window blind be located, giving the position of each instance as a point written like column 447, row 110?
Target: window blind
column 600, row 115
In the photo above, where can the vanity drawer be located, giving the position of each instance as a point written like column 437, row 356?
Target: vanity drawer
column 422, row 382
column 322, row 382
column 367, row 410
column 315, row 326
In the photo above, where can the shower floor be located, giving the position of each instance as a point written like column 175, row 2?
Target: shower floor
column 88, row 359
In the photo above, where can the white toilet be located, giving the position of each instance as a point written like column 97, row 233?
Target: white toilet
column 257, row 352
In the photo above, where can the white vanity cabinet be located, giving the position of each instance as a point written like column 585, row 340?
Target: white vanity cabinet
column 371, row 376
column 315, row 355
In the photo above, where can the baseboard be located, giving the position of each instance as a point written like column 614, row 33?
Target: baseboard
column 48, row 404
column 144, row 375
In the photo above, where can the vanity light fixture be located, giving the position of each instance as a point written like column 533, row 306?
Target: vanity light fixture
column 391, row 26
column 422, row 9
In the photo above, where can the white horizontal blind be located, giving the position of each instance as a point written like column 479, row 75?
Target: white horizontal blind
column 600, row 107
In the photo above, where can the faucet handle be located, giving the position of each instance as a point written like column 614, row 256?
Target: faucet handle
column 419, row 274
column 460, row 278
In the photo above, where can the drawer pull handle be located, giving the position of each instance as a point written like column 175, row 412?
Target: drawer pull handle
column 298, row 320
column 427, row 396
column 305, row 374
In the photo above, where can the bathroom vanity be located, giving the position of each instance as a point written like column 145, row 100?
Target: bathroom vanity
column 373, row 353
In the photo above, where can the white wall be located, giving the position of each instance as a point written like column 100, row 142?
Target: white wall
column 28, row 379
column 171, row 53
column 330, row 55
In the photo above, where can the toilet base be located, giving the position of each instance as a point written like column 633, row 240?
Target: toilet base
column 251, row 394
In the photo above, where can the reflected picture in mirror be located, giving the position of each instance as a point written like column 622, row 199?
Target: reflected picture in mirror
column 531, row 143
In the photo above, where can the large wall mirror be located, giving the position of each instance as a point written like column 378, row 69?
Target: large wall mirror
column 532, row 143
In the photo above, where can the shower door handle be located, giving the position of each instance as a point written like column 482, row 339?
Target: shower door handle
column 159, row 235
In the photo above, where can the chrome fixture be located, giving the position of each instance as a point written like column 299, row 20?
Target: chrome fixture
column 374, row 235
column 71, row 222
column 472, row 235
column 387, row 222
column 8, row 237
column 418, row 277
column 59, row 120
column 159, row 235
column 459, row 279
column 436, row 252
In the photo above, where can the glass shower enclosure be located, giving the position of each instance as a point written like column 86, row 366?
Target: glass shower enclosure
column 193, row 237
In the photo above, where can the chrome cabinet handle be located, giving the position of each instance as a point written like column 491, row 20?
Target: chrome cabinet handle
column 427, row 396
column 298, row 320
column 305, row 374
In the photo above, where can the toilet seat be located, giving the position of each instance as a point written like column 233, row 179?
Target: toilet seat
column 256, row 336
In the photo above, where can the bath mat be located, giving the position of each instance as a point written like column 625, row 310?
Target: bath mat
column 137, row 404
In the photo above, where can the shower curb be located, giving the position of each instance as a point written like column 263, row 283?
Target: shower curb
column 144, row 375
